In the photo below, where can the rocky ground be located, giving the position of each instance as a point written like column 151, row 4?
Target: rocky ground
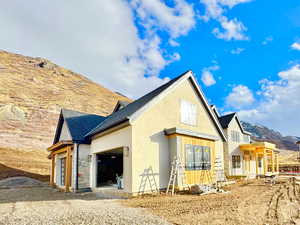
column 247, row 203
column 39, row 206
column 32, row 92
column 29, row 163
column 251, row 202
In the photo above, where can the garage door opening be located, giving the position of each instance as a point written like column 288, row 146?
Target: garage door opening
column 110, row 168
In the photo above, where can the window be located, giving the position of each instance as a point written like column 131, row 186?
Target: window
column 62, row 171
column 260, row 162
column 188, row 113
column 246, row 138
column 235, row 136
column 197, row 157
column 236, row 161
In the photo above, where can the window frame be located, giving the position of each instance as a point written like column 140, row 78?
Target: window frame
column 187, row 114
column 201, row 157
column 236, row 161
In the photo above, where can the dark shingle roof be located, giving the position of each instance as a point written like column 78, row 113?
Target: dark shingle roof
column 120, row 104
column 80, row 124
column 123, row 114
column 226, row 119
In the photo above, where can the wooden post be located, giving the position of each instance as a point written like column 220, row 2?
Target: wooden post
column 52, row 170
column 277, row 163
column 256, row 160
column 265, row 162
column 68, row 169
column 273, row 162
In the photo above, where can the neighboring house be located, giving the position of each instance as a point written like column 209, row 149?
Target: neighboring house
column 139, row 141
column 236, row 135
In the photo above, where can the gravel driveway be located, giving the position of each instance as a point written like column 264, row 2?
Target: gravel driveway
column 44, row 205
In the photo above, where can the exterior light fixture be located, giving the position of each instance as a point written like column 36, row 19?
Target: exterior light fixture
column 126, row 151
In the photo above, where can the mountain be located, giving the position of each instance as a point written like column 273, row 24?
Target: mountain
column 262, row 133
column 32, row 92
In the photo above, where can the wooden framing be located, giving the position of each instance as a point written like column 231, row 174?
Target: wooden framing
column 267, row 152
column 58, row 149
column 198, row 176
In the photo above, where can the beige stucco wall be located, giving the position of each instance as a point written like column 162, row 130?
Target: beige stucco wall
column 65, row 134
column 118, row 139
column 232, row 148
column 150, row 145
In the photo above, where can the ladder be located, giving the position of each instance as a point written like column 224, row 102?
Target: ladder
column 219, row 172
column 177, row 170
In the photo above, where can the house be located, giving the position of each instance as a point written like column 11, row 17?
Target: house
column 241, row 157
column 137, row 143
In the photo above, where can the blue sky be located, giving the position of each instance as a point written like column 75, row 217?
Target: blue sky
column 244, row 53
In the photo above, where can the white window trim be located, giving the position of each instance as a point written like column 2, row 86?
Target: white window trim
column 195, row 112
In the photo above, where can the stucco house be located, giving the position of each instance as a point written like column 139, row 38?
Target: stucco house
column 137, row 143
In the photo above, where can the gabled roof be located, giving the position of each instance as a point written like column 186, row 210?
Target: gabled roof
column 226, row 119
column 79, row 124
column 134, row 109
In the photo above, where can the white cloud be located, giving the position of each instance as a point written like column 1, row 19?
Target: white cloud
column 232, row 29
column 279, row 106
column 155, row 14
column 296, row 46
column 267, row 40
column 240, row 96
column 173, row 43
column 99, row 39
column 207, row 76
column 237, row 51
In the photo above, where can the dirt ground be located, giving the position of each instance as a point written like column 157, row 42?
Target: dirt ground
column 47, row 206
column 246, row 203
column 29, row 163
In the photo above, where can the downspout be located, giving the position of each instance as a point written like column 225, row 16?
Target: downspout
column 76, row 172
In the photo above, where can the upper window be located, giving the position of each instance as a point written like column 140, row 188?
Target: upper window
column 197, row 157
column 235, row 136
column 188, row 113
column 246, row 138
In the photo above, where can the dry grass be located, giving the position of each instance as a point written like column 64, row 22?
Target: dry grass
column 253, row 203
column 30, row 163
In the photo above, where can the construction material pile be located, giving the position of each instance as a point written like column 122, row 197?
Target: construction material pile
column 203, row 189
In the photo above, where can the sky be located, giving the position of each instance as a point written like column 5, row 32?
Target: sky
column 245, row 54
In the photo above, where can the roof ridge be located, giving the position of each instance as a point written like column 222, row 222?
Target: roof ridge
column 134, row 106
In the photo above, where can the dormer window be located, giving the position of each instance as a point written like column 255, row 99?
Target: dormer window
column 188, row 112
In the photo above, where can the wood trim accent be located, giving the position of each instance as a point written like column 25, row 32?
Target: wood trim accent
column 68, row 169
column 199, row 176
column 60, row 150
column 59, row 145
column 52, row 171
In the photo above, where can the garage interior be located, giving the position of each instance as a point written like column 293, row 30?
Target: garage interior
column 109, row 167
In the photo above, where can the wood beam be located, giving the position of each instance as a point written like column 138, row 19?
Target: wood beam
column 68, row 169
column 52, row 171
column 265, row 163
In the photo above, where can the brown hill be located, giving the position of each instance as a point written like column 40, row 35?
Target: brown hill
column 32, row 92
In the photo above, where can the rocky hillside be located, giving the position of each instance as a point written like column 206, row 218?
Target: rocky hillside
column 32, row 92
column 262, row 133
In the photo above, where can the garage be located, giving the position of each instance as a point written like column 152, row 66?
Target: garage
column 110, row 168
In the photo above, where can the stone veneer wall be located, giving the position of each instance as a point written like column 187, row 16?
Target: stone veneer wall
column 84, row 166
